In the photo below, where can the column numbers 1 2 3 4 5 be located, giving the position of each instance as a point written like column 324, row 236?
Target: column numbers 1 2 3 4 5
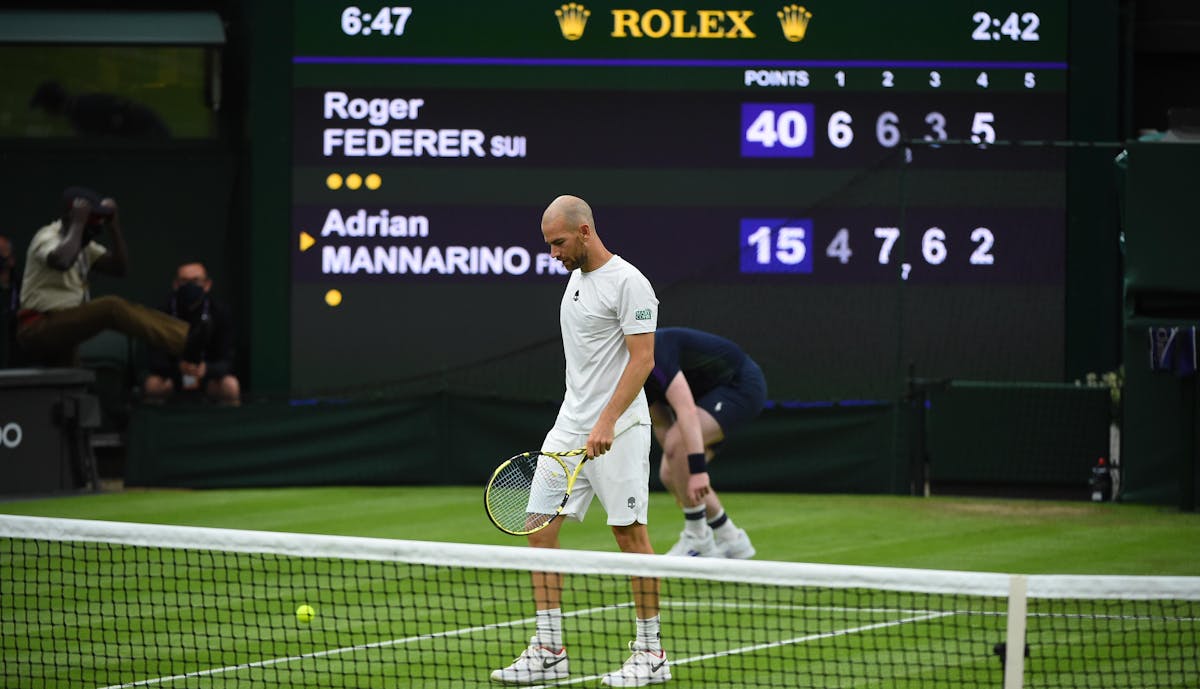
column 1015, row 27
column 386, row 21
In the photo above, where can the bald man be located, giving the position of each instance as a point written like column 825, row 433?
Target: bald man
column 608, row 315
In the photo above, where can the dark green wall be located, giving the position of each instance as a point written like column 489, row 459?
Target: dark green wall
column 1040, row 437
column 1162, row 289
column 412, row 441
column 1093, row 295
column 266, row 62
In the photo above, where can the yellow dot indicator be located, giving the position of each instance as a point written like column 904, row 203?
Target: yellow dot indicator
column 374, row 181
column 353, row 180
column 333, row 297
column 334, row 181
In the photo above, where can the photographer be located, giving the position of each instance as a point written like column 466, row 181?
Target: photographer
column 191, row 301
column 57, row 313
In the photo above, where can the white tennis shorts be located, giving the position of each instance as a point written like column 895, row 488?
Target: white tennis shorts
column 619, row 477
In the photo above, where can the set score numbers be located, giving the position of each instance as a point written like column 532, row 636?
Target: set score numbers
column 777, row 245
column 386, row 21
column 773, row 130
column 934, row 249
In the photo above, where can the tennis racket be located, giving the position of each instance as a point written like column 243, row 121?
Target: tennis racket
column 527, row 491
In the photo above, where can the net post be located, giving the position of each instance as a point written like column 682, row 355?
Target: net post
column 1014, row 658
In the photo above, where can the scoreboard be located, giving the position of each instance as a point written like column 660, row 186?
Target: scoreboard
column 845, row 188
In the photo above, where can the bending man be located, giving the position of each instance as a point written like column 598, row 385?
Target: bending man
column 702, row 388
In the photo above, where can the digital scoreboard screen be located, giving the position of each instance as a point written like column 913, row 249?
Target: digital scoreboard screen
column 847, row 189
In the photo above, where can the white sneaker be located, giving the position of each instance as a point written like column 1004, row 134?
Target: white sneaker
column 643, row 667
column 535, row 665
column 739, row 547
column 695, row 546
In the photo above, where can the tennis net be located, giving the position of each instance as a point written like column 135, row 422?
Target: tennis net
column 103, row 604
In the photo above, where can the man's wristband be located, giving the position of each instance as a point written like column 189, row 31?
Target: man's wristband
column 696, row 463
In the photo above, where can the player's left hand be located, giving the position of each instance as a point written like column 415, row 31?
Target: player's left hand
column 698, row 487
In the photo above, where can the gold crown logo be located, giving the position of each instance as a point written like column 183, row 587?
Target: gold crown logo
column 571, row 20
column 794, row 21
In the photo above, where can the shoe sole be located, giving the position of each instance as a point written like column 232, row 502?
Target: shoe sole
column 656, row 680
column 524, row 682
column 744, row 554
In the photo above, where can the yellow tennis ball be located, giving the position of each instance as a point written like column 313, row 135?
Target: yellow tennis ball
column 305, row 613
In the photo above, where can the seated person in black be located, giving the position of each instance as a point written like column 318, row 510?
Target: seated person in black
column 213, row 375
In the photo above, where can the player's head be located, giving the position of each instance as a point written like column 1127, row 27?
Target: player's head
column 568, row 227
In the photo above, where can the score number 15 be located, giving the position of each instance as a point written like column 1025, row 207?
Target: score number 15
column 776, row 245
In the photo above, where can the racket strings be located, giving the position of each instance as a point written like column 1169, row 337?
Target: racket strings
column 527, row 492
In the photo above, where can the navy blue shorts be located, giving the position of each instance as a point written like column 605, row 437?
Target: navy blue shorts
column 739, row 402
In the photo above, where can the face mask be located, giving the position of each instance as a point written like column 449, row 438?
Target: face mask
column 189, row 297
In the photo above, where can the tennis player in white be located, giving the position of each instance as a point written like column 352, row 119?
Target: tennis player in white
column 608, row 316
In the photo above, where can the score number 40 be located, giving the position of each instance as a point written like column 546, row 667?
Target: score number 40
column 782, row 130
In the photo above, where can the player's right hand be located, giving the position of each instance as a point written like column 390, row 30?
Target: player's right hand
column 600, row 440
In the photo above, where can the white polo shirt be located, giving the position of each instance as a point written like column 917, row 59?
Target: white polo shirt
column 598, row 310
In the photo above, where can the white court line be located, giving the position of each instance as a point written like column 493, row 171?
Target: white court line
column 821, row 608
column 352, row 649
column 773, row 644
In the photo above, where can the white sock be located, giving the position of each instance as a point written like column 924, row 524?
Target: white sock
column 549, row 628
column 693, row 521
column 723, row 527
column 649, row 634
